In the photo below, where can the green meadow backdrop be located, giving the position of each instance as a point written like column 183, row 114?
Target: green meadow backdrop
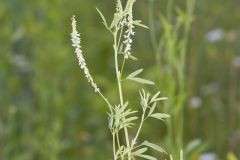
column 48, row 110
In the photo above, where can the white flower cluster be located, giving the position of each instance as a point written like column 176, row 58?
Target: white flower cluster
column 75, row 37
column 128, row 33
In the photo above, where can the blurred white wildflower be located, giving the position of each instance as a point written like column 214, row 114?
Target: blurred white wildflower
column 20, row 62
column 18, row 34
column 75, row 37
column 129, row 32
column 195, row 102
column 208, row 156
column 236, row 62
column 193, row 145
column 215, row 35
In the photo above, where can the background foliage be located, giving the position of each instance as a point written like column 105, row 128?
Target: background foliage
column 47, row 110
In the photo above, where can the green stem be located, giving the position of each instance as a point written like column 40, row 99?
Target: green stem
column 137, row 134
column 123, row 64
column 106, row 100
column 120, row 87
column 119, row 146
column 114, row 147
column 120, row 37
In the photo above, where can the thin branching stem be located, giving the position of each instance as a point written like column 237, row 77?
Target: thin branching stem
column 114, row 147
column 138, row 131
column 106, row 100
column 119, row 145
column 123, row 64
column 120, row 88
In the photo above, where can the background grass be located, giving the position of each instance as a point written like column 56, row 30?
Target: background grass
column 48, row 111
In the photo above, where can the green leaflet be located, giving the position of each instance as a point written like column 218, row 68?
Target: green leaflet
column 146, row 156
column 155, row 96
column 138, row 23
column 154, row 146
column 133, row 77
column 131, row 119
column 122, row 108
column 160, row 116
column 160, row 99
column 133, row 74
column 127, row 113
column 140, row 151
column 141, row 80
column 152, row 108
column 103, row 18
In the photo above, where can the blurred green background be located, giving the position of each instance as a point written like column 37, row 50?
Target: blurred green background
column 49, row 111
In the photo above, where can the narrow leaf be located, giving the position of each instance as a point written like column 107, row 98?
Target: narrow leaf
column 160, row 116
column 133, row 74
column 133, row 58
column 127, row 113
column 155, row 96
column 123, row 107
column 141, row 80
column 131, row 119
column 146, row 157
column 103, row 18
column 140, row 151
column 154, row 146
column 160, row 99
column 138, row 23
column 128, row 125
column 152, row 108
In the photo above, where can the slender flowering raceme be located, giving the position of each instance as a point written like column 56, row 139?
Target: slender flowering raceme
column 75, row 37
column 129, row 32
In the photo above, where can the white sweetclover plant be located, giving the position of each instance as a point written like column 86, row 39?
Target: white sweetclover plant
column 120, row 116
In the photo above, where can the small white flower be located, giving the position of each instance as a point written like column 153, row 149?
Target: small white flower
column 75, row 37
column 195, row 102
column 215, row 35
column 208, row 156
column 128, row 34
